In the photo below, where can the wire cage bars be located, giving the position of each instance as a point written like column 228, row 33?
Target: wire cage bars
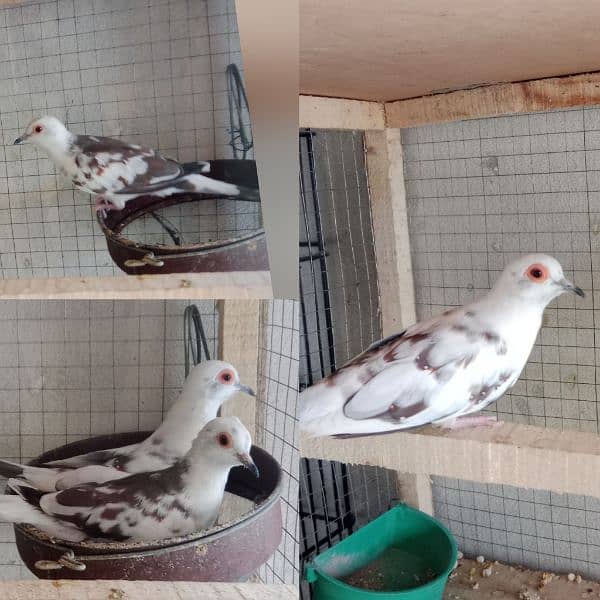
column 339, row 317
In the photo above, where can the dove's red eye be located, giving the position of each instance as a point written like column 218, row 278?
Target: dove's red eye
column 226, row 376
column 224, row 440
column 38, row 129
column 537, row 273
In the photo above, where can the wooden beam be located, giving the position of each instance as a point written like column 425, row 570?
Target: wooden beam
column 390, row 229
column 415, row 490
column 238, row 344
column 142, row 590
column 248, row 284
column 338, row 113
column 387, row 193
column 510, row 453
column 498, row 99
column 270, row 56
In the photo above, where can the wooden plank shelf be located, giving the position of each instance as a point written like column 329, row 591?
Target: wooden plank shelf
column 231, row 285
column 142, row 590
column 509, row 453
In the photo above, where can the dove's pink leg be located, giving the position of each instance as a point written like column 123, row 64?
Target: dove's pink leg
column 466, row 422
column 103, row 204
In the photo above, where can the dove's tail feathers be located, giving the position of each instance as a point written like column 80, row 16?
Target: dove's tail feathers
column 206, row 185
column 196, row 167
column 317, row 407
column 41, row 478
column 249, row 194
column 26, row 490
column 14, row 509
column 10, row 469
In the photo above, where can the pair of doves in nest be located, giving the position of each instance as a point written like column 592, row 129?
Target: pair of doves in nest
column 116, row 171
column 207, row 387
column 181, row 499
column 440, row 370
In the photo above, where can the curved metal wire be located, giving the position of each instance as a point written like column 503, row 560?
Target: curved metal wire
column 240, row 139
column 194, row 338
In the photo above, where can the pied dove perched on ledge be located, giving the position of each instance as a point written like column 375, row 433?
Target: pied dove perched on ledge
column 444, row 368
column 116, row 171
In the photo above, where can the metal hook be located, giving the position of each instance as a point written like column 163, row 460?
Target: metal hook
column 67, row 560
column 193, row 328
column 148, row 259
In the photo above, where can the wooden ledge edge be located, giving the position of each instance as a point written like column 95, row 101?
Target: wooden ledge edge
column 225, row 286
column 511, row 454
column 322, row 112
column 141, row 590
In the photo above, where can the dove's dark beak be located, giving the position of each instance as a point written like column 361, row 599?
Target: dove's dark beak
column 246, row 389
column 570, row 287
column 19, row 140
column 248, row 463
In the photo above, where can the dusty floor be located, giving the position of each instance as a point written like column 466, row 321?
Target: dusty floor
column 504, row 583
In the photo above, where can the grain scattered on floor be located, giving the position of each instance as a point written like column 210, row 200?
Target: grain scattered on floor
column 515, row 583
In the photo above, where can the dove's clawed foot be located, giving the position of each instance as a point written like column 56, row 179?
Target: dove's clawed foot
column 466, row 422
column 103, row 204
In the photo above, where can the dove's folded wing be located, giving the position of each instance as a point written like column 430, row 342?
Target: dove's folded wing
column 96, row 457
column 116, row 167
column 96, row 474
column 402, row 375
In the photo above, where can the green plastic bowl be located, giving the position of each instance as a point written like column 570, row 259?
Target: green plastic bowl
column 403, row 531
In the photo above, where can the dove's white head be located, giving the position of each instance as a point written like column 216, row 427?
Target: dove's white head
column 225, row 441
column 48, row 133
column 207, row 387
column 214, row 379
column 534, row 278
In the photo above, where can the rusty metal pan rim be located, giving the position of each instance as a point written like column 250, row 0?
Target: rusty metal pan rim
column 214, row 534
column 116, row 236
column 163, row 251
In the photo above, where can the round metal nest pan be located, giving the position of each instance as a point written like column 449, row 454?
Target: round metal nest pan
column 243, row 251
column 230, row 551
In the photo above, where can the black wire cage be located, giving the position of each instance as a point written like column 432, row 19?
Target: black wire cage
column 339, row 317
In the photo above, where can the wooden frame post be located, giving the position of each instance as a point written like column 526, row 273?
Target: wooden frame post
column 415, row 490
column 385, row 170
column 238, row 344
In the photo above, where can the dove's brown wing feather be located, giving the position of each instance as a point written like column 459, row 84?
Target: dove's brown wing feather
column 106, row 166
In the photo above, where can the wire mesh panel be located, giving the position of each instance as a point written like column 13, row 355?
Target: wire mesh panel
column 480, row 193
column 536, row 528
column 277, row 424
column 153, row 73
column 338, row 280
column 484, row 191
column 339, row 318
